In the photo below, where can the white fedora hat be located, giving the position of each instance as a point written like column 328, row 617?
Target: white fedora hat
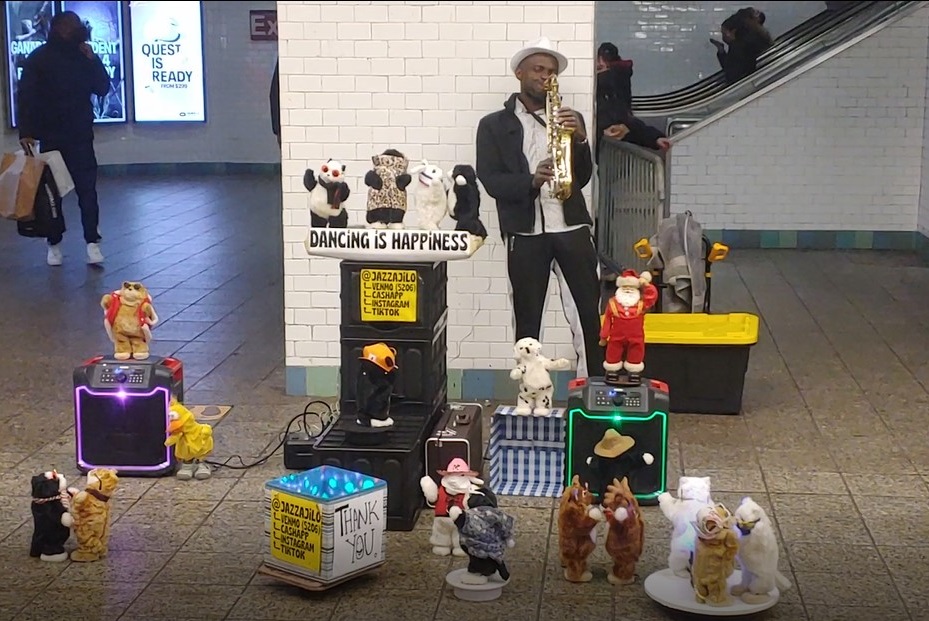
column 539, row 46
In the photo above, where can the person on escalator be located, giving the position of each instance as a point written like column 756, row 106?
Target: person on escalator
column 744, row 40
column 615, row 118
column 619, row 72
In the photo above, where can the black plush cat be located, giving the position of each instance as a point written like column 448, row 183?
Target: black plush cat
column 464, row 201
column 485, row 533
column 51, row 518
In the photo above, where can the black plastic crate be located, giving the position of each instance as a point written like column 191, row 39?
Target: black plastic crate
column 389, row 309
column 422, row 373
column 701, row 379
column 399, row 460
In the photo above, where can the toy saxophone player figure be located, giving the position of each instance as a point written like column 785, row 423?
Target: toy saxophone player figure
column 50, row 516
column 623, row 330
column 458, row 482
column 192, row 442
column 485, row 533
column 128, row 319
column 387, row 183
column 614, row 459
column 377, row 372
column 91, row 511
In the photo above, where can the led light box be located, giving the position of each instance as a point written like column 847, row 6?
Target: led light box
column 640, row 412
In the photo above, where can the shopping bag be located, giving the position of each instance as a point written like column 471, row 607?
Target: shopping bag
column 20, row 175
column 47, row 218
column 59, row 170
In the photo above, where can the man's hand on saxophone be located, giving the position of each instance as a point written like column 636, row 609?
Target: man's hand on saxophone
column 570, row 119
column 544, row 173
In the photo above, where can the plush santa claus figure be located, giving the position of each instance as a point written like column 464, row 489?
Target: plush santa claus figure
column 623, row 330
column 457, row 483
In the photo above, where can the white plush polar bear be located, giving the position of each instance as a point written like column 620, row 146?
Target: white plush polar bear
column 535, row 383
column 693, row 495
column 758, row 555
column 429, row 191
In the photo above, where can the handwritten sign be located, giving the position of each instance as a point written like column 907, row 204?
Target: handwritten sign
column 389, row 295
column 262, row 25
column 359, row 533
column 400, row 245
column 296, row 531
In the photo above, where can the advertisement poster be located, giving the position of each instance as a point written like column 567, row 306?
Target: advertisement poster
column 167, row 61
column 27, row 25
column 104, row 20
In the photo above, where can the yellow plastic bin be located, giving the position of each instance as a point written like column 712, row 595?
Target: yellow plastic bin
column 702, row 358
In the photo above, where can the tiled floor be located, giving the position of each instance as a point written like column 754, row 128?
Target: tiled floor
column 833, row 440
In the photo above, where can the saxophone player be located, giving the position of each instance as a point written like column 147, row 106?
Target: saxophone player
column 542, row 233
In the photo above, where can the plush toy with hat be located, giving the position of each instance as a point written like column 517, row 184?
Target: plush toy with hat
column 614, row 458
column 374, row 385
column 457, row 483
column 623, row 330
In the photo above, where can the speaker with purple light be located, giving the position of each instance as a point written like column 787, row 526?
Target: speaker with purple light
column 121, row 410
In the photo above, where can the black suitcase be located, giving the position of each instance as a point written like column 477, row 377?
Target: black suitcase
column 459, row 433
column 47, row 217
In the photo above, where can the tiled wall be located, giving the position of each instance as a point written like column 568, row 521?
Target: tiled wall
column 836, row 151
column 238, row 129
column 668, row 42
column 922, row 217
column 416, row 76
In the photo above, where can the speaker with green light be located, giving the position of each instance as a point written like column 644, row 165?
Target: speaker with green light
column 639, row 414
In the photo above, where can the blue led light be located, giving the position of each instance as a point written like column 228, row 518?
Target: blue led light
column 326, row 483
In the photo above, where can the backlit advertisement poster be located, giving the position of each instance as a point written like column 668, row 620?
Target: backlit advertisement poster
column 104, row 21
column 167, row 61
column 27, row 25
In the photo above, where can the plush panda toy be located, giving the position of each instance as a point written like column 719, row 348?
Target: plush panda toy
column 327, row 193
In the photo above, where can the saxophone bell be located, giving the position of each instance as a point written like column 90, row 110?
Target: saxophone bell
column 560, row 141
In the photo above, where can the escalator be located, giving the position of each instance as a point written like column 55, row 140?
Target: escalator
column 792, row 50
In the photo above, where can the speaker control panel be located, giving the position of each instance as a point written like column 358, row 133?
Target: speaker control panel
column 130, row 374
column 600, row 396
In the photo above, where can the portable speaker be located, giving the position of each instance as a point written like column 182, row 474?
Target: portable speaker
column 121, row 410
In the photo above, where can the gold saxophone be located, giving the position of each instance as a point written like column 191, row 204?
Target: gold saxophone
column 560, row 139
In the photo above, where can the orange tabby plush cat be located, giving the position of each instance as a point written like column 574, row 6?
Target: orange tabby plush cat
column 91, row 511
column 626, row 535
column 578, row 517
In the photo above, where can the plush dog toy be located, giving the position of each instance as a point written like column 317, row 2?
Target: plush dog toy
column 532, row 371
column 328, row 191
column 387, row 183
column 464, row 201
column 430, row 194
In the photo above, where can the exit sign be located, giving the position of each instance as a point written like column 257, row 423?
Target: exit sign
column 262, row 25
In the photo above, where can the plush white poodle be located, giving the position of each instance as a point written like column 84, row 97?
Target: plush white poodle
column 429, row 192
column 758, row 555
column 693, row 495
column 535, row 383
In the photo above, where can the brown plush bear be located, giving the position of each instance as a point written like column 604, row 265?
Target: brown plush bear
column 128, row 318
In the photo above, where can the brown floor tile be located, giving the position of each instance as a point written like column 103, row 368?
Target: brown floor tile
column 896, row 485
column 812, row 519
column 857, row 613
column 781, row 481
column 284, row 603
column 892, row 521
column 831, row 558
column 559, row 608
column 417, row 605
column 867, row 586
column 207, row 602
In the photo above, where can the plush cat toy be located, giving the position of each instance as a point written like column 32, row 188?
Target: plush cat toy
column 485, row 532
column 128, row 317
column 758, row 555
column 614, row 459
column 387, row 183
column 625, row 538
column 327, row 193
column 51, row 519
column 91, row 511
column 429, row 192
column 464, row 201
column 374, row 385
column 578, row 517
column 693, row 494
column 714, row 555
column 535, row 382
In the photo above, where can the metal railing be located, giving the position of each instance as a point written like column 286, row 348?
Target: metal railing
column 632, row 199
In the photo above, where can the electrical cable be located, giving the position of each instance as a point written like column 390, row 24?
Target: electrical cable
column 325, row 420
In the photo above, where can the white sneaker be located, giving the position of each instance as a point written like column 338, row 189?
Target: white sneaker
column 94, row 256
column 54, row 255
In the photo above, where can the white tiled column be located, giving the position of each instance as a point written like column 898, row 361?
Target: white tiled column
column 360, row 77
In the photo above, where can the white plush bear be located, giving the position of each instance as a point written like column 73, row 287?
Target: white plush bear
column 758, row 555
column 429, row 192
column 693, row 495
column 535, row 383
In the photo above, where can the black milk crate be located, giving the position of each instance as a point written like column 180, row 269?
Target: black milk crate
column 422, row 371
column 395, row 300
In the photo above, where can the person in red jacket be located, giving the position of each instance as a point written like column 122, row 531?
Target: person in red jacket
column 623, row 330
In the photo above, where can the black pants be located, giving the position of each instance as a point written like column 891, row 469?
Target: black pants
column 530, row 260
column 82, row 164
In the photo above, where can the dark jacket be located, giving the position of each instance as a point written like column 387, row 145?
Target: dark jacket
column 740, row 60
column 53, row 99
column 612, row 110
column 276, row 102
column 504, row 171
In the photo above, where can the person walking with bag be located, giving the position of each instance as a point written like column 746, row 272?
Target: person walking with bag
column 55, row 110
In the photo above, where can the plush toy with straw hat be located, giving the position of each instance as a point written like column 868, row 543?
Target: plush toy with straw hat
column 614, row 458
